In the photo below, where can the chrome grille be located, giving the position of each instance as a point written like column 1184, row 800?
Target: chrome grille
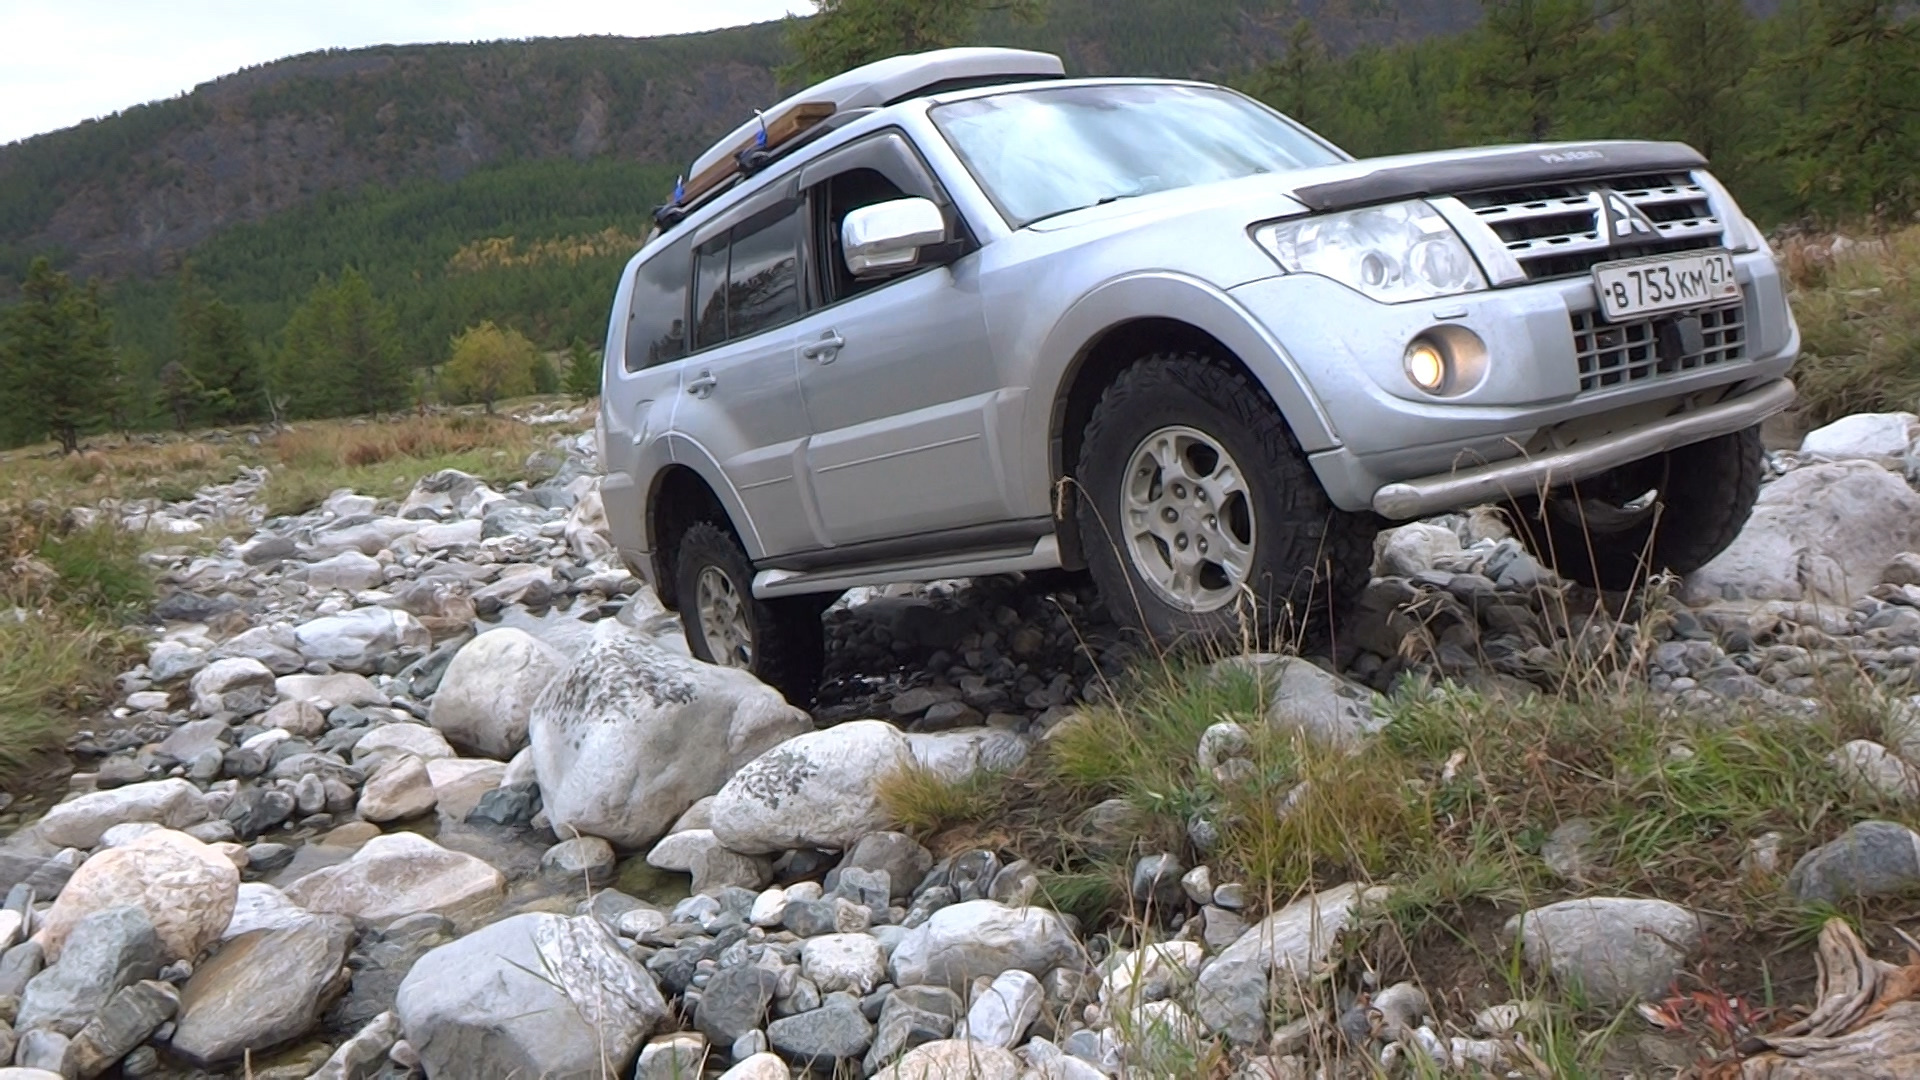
column 1555, row 230
column 1615, row 354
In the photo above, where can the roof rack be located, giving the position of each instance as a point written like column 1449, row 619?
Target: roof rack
column 773, row 132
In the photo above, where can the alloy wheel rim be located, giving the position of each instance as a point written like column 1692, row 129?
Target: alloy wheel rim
column 1189, row 519
column 723, row 619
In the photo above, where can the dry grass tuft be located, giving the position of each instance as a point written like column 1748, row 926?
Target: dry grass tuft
column 1859, row 314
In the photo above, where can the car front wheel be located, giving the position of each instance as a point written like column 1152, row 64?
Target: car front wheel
column 1200, row 516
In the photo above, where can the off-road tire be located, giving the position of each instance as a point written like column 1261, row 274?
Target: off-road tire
column 788, row 641
column 1309, row 557
column 1706, row 493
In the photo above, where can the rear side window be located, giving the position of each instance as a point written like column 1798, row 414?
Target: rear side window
column 657, row 321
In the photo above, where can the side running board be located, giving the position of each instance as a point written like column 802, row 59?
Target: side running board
column 1044, row 554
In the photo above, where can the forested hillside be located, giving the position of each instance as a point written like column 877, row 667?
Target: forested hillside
column 507, row 181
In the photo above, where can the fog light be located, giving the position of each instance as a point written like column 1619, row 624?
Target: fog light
column 1427, row 366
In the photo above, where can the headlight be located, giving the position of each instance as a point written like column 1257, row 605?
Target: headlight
column 1403, row 251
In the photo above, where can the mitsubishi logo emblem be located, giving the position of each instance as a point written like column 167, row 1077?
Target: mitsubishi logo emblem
column 1618, row 220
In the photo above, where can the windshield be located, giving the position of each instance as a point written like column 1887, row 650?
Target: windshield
column 1044, row 152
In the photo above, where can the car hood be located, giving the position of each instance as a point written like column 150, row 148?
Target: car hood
column 1404, row 176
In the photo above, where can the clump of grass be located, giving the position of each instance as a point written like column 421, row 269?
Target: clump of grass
column 67, row 594
column 386, row 457
column 170, row 469
column 1859, row 315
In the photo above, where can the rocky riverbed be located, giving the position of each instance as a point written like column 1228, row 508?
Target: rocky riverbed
column 431, row 785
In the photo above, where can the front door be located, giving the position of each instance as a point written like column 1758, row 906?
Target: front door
column 897, row 374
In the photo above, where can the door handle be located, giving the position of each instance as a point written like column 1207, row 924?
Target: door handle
column 703, row 385
column 825, row 349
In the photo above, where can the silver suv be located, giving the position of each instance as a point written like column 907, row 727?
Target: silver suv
column 953, row 314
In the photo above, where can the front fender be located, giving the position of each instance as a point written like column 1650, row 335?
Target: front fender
column 1185, row 299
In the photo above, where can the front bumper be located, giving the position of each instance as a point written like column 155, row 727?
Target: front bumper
column 1533, row 473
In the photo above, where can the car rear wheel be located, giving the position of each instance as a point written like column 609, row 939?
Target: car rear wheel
column 1199, row 515
column 780, row 641
column 1670, row 512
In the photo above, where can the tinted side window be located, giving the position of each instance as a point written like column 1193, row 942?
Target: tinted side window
column 763, row 286
column 657, row 321
column 710, row 293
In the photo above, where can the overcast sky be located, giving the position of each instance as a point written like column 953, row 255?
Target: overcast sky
column 64, row 61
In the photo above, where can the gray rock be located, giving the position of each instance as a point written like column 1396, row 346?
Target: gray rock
column 348, row 571
column 401, row 874
column 632, row 734
column 262, row 989
column 1823, row 533
column 1302, row 697
column 1156, row 882
column 80, row 822
column 40, row 1049
column 533, row 995
column 1874, row 774
column 361, row 1055
column 130, row 1016
column 735, row 1002
column 672, row 1057
column 359, row 640
column 1617, row 950
column 583, row 858
column 18, row 967
column 264, row 858
column 486, row 697
column 236, row 685
column 1276, row 955
column 1873, row 858
column 254, row 810
column 980, row 937
column 971, row 875
column 106, row 951
column 908, row 1020
column 1004, row 1011
column 902, row 857
column 834, row 1032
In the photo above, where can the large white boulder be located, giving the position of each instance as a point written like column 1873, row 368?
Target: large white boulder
column 631, row 735
column 817, row 790
column 533, row 995
column 1822, row 533
column 360, row 639
column 1881, row 437
column 80, row 822
column 400, row 874
column 486, row 697
column 1615, row 949
column 186, row 888
column 236, row 685
column 963, row 942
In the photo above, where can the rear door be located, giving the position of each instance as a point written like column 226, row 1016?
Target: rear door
column 897, row 374
column 740, row 401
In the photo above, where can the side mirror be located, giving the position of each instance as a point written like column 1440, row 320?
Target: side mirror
column 888, row 236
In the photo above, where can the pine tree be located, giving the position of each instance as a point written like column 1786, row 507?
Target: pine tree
column 488, row 364
column 56, row 361
column 220, row 356
column 583, row 371
column 1531, row 66
column 1854, row 151
column 1695, row 69
column 340, row 352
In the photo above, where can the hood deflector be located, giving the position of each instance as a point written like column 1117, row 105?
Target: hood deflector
column 1533, row 165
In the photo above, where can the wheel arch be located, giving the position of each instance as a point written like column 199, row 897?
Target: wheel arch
column 680, row 496
column 1126, row 320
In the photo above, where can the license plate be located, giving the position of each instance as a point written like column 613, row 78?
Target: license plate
column 1664, row 283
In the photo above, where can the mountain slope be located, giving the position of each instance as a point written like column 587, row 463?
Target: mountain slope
column 128, row 195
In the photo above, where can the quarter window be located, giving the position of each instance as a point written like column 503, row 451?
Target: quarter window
column 657, row 318
column 710, row 293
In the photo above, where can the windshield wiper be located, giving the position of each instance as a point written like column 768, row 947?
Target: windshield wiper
column 1102, row 201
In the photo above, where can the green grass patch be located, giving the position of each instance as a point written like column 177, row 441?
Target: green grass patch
column 1859, row 315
